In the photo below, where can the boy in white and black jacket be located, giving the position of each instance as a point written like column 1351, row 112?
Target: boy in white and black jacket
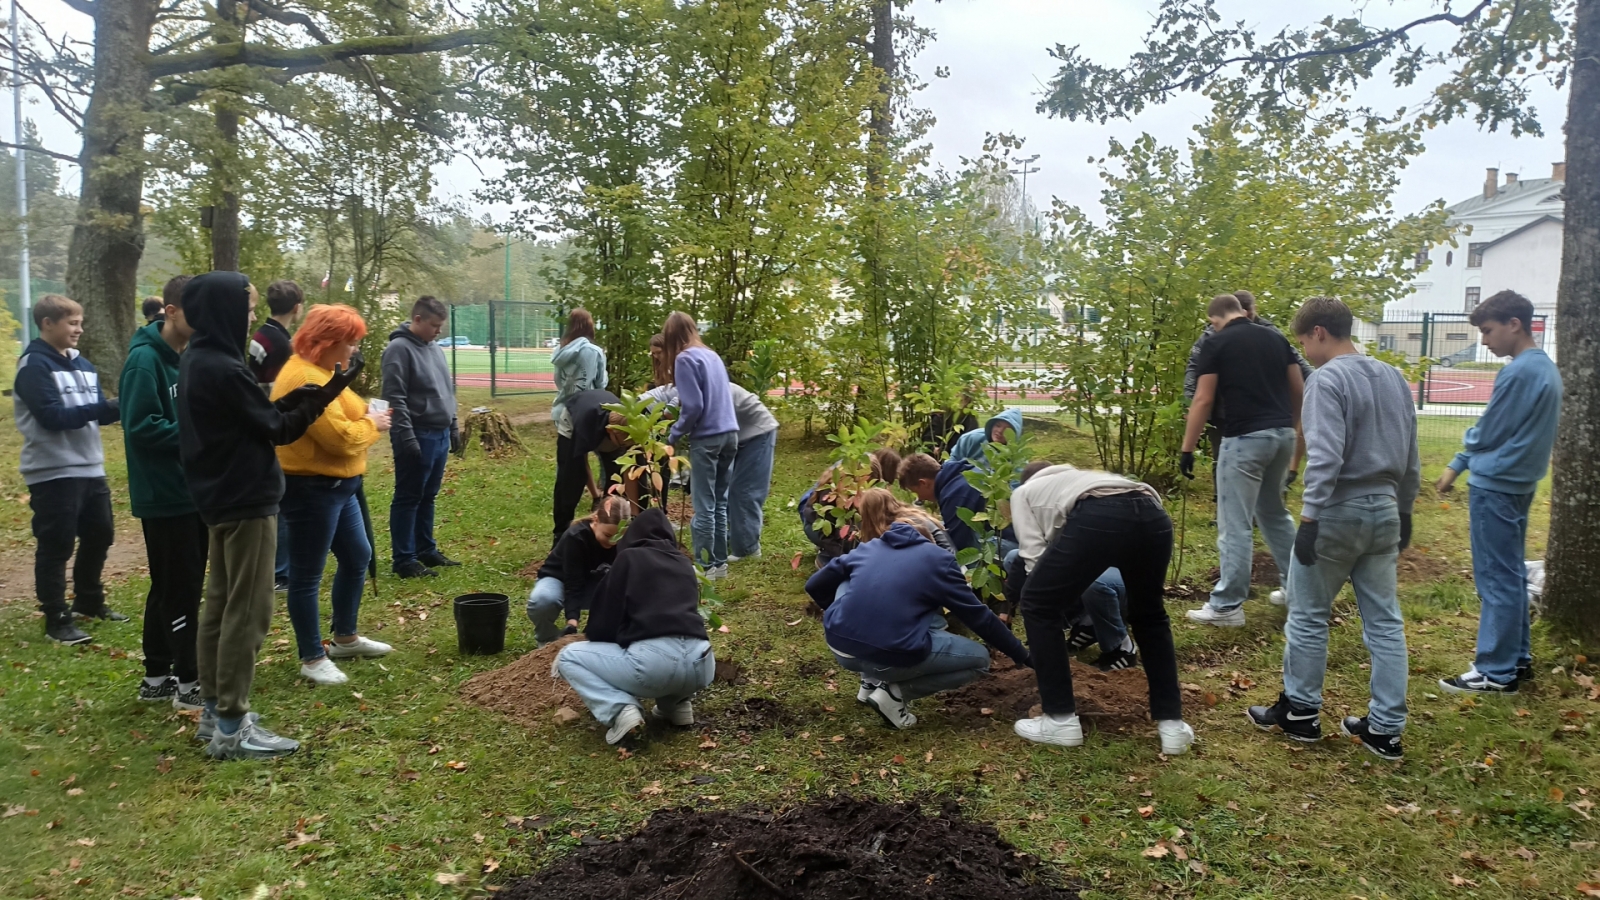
column 59, row 410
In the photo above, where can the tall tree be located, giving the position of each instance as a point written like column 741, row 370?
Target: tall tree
column 1499, row 48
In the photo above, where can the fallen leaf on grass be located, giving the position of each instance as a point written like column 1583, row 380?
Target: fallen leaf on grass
column 1582, row 808
column 456, row 765
column 70, row 779
column 1557, row 795
column 1146, row 812
column 795, row 622
column 1198, row 867
column 1209, row 699
column 16, row 810
column 301, row 839
column 1581, row 845
column 708, row 744
column 1525, row 853
column 491, row 865
column 985, row 711
column 73, row 792
column 1476, row 859
column 927, row 757
column 449, row 878
column 84, row 842
column 795, row 563
column 652, row 789
column 1589, row 888
column 1159, row 851
column 1458, row 881
column 1233, row 805
column 164, row 765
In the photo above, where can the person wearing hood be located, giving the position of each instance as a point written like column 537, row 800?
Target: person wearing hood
column 59, row 409
column 646, row 637
column 323, row 472
column 421, row 394
column 174, row 534
column 227, row 429
column 574, row 569
column 580, row 365
column 589, row 422
column 882, row 605
column 998, row 430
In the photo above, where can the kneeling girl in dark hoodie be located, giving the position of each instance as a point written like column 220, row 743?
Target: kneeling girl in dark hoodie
column 574, row 569
column 882, row 618
column 646, row 637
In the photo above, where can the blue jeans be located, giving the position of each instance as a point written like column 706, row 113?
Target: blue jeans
column 545, row 603
column 1251, row 470
column 324, row 515
column 1359, row 541
column 416, row 484
column 952, row 662
column 1499, row 531
column 752, row 482
column 710, row 478
column 608, row 677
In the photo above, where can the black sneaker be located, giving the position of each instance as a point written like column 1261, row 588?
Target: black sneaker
column 1524, row 673
column 105, row 614
column 1473, row 682
column 190, row 699
column 65, row 632
column 1112, row 660
column 280, row 585
column 155, row 693
column 1386, row 746
column 414, row 569
column 1079, row 638
column 1296, row 722
column 437, row 560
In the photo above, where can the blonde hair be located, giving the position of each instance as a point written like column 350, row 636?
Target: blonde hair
column 610, row 510
column 879, row 509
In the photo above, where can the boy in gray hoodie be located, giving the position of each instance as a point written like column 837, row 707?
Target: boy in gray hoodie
column 1361, row 481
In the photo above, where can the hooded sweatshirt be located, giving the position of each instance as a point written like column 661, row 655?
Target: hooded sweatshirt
column 580, row 366
column 579, row 563
column 651, row 591
column 149, row 396
column 954, row 493
column 59, row 410
column 227, row 426
column 969, row 446
column 876, row 600
column 418, row 385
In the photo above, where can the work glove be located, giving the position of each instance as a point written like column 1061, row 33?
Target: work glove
column 1294, row 475
column 1405, row 530
column 570, row 629
column 1186, row 464
column 1305, row 543
column 297, row 397
column 457, row 446
column 411, row 450
column 320, row 395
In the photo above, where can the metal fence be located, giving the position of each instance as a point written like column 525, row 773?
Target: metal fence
column 504, row 346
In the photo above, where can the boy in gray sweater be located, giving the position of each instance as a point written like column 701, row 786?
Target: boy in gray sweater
column 1361, row 481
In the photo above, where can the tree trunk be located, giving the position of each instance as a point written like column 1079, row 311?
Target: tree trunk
column 1574, row 549
column 224, row 175
column 108, row 238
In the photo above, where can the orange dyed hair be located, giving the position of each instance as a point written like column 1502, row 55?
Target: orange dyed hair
column 326, row 325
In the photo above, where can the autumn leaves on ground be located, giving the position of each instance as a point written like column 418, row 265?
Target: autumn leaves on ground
column 408, row 787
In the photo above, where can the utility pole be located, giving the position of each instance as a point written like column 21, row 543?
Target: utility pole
column 1028, row 168
column 24, row 280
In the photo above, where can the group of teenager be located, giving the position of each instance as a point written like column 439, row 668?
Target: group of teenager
column 246, row 455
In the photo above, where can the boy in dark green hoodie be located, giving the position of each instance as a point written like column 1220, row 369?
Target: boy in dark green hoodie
column 175, row 537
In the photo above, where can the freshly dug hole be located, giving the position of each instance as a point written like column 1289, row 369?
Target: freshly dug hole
column 524, row 689
column 828, row 850
column 1111, row 701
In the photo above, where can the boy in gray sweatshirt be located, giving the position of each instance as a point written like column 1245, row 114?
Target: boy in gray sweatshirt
column 1361, row 481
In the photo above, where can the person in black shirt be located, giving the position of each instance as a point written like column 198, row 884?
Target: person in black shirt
column 589, row 420
column 646, row 637
column 573, row 570
column 1254, row 372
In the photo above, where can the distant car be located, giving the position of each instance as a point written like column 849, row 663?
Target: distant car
column 1464, row 355
column 456, row 341
column 553, row 343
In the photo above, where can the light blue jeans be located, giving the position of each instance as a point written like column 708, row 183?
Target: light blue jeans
column 545, row 603
column 1359, row 541
column 752, row 482
column 1251, row 470
column 1498, row 526
column 953, row 662
column 710, row 479
column 608, row 677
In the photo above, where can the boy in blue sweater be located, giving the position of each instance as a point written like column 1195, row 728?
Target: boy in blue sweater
column 59, row 410
column 1508, row 452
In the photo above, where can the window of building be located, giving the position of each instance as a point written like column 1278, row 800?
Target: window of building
column 1422, row 258
column 1457, row 336
column 1449, row 258
column 1473, row 293
column 1475, row 255
column 1414, row 336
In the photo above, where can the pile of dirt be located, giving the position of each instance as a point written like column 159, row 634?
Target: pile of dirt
column 828, row 850
column 524, row 690
column 1112, row 701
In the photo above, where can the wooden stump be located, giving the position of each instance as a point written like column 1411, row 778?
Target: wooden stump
column 495, row 434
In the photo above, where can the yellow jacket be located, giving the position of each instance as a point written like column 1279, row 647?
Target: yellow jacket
column 336, row 444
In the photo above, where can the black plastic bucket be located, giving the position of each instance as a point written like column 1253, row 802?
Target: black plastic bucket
column 481, row 623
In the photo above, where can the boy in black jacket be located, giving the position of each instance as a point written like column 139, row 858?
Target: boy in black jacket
column 227, row 431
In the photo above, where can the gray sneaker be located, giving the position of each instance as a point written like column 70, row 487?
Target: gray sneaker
column 186, row 700
column 251, row 741
column 207, row 728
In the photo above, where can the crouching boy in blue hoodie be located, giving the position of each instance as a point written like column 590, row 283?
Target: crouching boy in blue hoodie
column 882, row 606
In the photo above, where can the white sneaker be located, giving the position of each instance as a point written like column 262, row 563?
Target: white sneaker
column 755, row 555
column 680, row 714
column 717, row 573
column 323, row 671
column 1206, row 615
column 627, row 720
column 864, row 693
column 361, row 646
column 886, row 700
column 1176, row 736
column 1278, row 598
column 1043, row 729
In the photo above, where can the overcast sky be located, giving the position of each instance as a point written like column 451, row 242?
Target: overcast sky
column 996, row 55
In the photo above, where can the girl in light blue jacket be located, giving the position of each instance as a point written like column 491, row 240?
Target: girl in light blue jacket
column 579, row 362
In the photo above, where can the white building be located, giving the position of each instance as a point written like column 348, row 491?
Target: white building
column 1507, row 237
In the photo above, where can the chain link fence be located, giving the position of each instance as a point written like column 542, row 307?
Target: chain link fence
column 504, row 346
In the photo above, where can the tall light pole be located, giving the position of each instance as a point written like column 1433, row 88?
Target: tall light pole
column 1028, row 167
column 24, row 280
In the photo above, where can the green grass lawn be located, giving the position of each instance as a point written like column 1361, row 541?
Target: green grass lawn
column 475, row 360
column 101, row 796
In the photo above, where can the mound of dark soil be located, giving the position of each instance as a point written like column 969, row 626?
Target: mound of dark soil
column 1112, row 701
column 829, row 850
column 525, row 690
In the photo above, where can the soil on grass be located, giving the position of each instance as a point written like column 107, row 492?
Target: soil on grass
column 1111, row 701
column 1419, row 567
column 1415, row 567
column 525, row 690
column 1263, row 572
column 828, row 850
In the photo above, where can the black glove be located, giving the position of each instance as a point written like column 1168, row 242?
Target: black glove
column 1405, row 530
column 296, row 397
column 1294, row 475
column 408, row 449
column 456, row 445
column 570, row 629
column 1305, row 543
column 1186, row 464
column 1026, row 661
column 343, row 378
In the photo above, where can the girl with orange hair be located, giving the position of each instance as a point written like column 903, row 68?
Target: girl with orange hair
column 322, row 475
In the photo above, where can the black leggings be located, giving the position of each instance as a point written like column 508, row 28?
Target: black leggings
column 1130, row 532
column 177, row 548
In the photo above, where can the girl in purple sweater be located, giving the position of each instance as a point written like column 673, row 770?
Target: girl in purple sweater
column 705, row 416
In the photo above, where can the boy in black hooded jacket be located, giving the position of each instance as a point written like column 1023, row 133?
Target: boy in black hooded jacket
column 227, row 431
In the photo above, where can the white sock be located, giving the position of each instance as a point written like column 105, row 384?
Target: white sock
column 1127, row 644
column 185, row 687
column 157, row 681
column 1060, row 719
